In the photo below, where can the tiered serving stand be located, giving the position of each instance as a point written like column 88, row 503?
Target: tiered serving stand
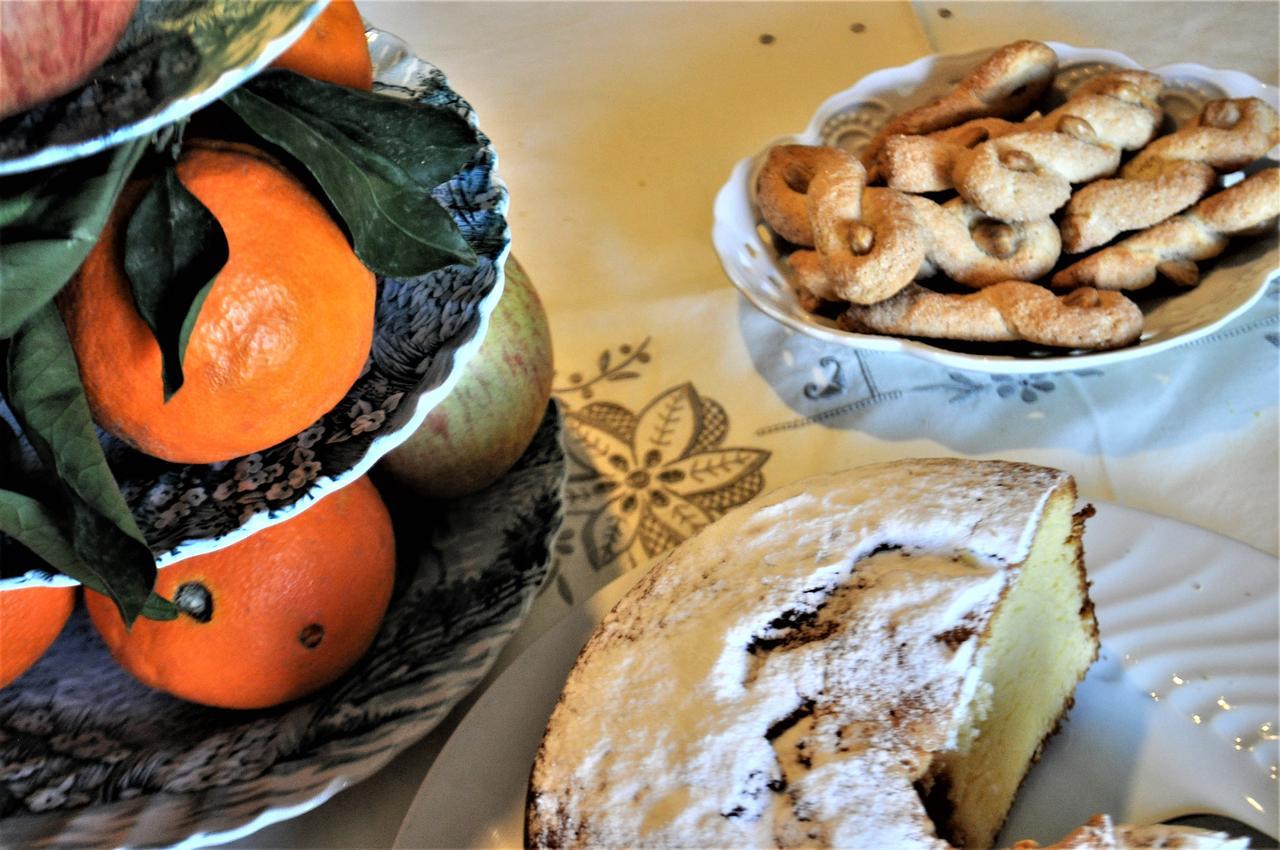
column 90, row 757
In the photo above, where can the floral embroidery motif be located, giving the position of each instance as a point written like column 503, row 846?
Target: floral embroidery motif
column 639, row 483
column 646, row 481
column 1027, row 388
column 609, row 369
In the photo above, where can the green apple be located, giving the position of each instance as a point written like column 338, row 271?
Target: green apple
column 479, row 431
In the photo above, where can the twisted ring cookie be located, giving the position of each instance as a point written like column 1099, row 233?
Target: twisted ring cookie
column 782, row 187
column 868, row 243
column 872, row 242
column 924, row 163
column 1171, row 173
column 1028, row 174
column 976, row 250
column 1025, row 172
column 1172, row 247
column 1006, row 312
column 1005, row 83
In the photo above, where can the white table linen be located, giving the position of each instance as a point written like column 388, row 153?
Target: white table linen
column 616, row 123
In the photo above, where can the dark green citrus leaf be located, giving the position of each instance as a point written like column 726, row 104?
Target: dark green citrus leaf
column 11, row 462
column 173, row 250
column 36, row 527
column 159, row 608
column 49, row 220
column 396, row 227
column 397, row 137
column 45, row 393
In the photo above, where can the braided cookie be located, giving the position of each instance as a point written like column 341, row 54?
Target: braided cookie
column 1028, row 174
column 971, row 248
column 1172, row 247
column 924, row 163
column 868, row 243
column 868, row 246
column 1006, row 312
column 1005, row 83
column 1171, row 173
column 1066, row 140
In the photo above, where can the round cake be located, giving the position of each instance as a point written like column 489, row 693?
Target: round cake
column 868, row 659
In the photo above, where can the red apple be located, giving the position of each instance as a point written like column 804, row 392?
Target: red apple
column 475, row 435
column 48, row 47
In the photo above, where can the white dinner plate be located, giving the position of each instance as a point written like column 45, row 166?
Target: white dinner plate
column 1231, row 284
column 1178, row 715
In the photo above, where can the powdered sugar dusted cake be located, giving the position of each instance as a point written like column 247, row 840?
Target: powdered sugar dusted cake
column 867, row 659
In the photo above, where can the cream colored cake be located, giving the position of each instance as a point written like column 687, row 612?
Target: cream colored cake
column 871, row 659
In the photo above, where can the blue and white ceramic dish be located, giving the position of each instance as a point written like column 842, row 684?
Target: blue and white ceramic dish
column 427, row 329
column 91, row 758
column 175, row 57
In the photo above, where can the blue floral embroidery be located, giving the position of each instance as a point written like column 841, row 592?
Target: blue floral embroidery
column 1026, row 388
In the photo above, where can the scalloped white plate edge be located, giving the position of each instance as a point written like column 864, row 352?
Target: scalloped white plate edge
column 178, row 109
column 734, row 197
column 459, row 806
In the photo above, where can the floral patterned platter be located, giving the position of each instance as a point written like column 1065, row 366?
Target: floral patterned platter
column 175, row 57
column 849, row 119
column 427, row 329
column 89, row 757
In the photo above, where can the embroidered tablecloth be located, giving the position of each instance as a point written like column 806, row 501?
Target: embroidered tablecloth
column 616, row 123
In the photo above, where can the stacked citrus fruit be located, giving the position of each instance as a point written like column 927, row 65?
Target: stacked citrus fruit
column 280, row 338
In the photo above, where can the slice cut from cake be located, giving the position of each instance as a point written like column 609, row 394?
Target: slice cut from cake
column 868, row 659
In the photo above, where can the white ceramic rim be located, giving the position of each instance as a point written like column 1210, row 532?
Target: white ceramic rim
column 174, row 111
column 726, row 237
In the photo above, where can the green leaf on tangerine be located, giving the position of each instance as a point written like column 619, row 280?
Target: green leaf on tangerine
column 173, row 250
column 399, row 138
column 37, row 528
column 45, row 393
column 396, row 227
column 49, row 221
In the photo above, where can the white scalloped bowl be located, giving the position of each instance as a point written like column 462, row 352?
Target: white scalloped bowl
column 1231, row 285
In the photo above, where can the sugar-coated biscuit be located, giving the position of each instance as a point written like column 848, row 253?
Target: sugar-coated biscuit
column 1006, row 312
column 1173, row 247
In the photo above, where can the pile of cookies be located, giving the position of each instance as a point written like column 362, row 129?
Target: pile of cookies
column 1025, row 188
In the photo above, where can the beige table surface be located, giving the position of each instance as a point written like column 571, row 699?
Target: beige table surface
column 616, row 123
